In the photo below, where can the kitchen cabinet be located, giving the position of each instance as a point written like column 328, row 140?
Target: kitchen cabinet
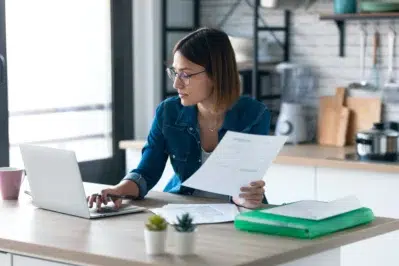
column 327, row 258
column 18, row 260
column 379, row 191
column 285, row 183
column 5, row 259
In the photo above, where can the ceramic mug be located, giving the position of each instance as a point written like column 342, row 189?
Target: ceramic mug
column 10, row 182
column 345, row 6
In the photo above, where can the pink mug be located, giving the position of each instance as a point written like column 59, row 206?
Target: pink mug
column 10, row 182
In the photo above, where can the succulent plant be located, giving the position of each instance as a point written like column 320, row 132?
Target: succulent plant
column 156, row 223
column 185, row 223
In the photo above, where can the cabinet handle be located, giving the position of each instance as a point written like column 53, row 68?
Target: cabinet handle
column 2, row 69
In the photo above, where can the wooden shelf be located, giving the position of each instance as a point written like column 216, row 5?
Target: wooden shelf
column 360, row 16
column 340, row 19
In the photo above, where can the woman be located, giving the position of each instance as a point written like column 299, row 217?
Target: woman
column 189, row 126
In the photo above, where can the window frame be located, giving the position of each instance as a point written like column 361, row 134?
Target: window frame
column 104, row 171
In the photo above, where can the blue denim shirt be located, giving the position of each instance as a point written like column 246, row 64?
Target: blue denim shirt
column 175, row 133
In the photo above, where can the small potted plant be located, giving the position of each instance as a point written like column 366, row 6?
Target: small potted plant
column 185, row 235
column 155, row 235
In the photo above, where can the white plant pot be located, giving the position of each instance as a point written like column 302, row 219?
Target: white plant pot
column 155, row 242
column 185, row 243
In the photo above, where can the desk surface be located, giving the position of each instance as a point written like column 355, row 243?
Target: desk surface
column 119, row 240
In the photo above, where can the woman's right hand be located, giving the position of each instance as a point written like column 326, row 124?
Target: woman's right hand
column 102, row 198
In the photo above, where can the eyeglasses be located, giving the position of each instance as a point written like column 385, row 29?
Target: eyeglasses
column 183, row 77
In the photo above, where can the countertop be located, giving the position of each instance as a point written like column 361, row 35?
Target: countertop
column 310, row 155
column 119, row 240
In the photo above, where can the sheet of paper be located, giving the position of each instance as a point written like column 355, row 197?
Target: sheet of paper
column 226, row 208
column 201, row 213
column 317, row 210
column 238, row 159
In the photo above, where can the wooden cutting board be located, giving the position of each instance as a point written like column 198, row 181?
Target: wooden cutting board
column 363, row 113
column 333, row 120
column 333, row 123
column 324, row 129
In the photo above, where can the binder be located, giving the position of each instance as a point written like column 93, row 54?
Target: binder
column 273, row 224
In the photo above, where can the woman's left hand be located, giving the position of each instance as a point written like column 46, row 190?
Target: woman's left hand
column 252, row 195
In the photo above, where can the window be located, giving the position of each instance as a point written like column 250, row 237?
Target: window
column 63, row 90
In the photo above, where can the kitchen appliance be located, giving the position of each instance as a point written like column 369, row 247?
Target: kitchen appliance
column 292, row 123
column 395, row 127
column 296, row 119
column 379, row 143
column 355, row 158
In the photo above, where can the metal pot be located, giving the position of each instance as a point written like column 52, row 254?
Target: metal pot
column 377, row 144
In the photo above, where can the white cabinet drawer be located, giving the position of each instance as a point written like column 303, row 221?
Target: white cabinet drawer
column 5, row 259
column 28, row 261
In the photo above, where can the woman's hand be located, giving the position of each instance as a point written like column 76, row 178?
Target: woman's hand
column 251, row 197
column 103, row 198
column 125, row 187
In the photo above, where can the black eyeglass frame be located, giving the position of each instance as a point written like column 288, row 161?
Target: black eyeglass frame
column 172, row 74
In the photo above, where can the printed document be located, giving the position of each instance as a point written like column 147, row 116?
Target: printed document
column 201, row 213
column 238, row 160
column 316, row 210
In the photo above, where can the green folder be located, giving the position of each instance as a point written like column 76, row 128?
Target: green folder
column 273, row 224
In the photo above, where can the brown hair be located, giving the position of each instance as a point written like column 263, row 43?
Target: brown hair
column 211, row 48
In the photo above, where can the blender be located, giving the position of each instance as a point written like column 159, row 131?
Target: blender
column 296, row 83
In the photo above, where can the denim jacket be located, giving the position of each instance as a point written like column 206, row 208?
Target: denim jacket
column 175, row 133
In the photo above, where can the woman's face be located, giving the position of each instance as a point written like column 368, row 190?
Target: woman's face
column 192, row 89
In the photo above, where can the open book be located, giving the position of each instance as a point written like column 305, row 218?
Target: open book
column 316, row 210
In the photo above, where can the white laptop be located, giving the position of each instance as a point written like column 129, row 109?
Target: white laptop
column 56, row 184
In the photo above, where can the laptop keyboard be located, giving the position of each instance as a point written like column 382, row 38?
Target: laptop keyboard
column 105, row 209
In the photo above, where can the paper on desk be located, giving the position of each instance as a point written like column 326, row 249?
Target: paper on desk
column 226, row 208
column 238, row 159
column 201, row 213
column 316, row 210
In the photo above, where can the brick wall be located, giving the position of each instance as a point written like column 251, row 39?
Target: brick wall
column 314, row 42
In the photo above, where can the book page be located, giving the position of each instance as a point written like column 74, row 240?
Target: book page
column 316, row 210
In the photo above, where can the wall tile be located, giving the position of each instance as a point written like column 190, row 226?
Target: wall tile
column 314, row 42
